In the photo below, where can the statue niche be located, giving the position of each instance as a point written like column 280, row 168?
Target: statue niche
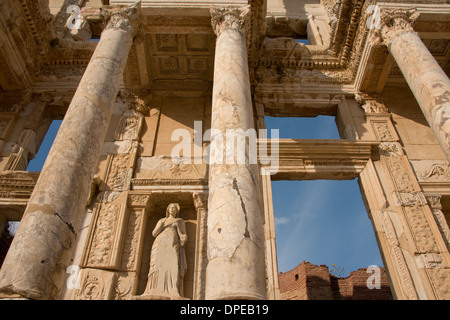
column 167, row 258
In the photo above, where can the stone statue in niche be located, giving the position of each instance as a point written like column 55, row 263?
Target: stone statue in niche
column 168, row 257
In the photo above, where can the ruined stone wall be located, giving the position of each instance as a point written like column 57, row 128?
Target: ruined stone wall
column 311, row 282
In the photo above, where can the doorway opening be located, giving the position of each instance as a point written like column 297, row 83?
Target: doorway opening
column 323, row 222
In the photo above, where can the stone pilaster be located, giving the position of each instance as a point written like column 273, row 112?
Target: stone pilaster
column 407, row 233
column 201, row 260
column 236, row 267
column 36, row 262
column 434, row 200
column 428, row 82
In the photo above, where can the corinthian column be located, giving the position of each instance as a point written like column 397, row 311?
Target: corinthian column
column 428, row 82
column 236, row 266
column 38, row 257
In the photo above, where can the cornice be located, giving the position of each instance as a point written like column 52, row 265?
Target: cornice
column 283, row 61
column 341, row 63
column 336, row 64
column 27, row 30
column 40, row 22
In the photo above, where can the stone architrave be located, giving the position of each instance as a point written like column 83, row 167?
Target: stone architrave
column 426, row 79
column 236, row 266
column 36, row 262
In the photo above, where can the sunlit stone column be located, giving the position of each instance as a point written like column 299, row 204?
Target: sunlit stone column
column 428, row 82
column 236, row 263
column 37, row 260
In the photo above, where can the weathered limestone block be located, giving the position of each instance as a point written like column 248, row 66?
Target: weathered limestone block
column 35, row 264
column 236, row 268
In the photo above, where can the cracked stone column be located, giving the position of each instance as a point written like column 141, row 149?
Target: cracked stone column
column 426, row 79
column 36, row 262
column 236, row 262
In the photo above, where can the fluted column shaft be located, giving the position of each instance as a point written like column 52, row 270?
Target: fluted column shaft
column 36, row 262
column 426, row 79
column 236, row 262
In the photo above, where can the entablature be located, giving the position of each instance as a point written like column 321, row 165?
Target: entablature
column 177, row 43
column 25, row 36
column 305, row 159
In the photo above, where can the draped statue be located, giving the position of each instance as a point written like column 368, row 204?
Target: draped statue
column 167, row 257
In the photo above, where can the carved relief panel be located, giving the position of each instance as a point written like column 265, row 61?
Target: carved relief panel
column 382, row 128
column 410, row 239
column 122, row 157
column 95, row 285
column 105, row 235
column 116, row 259
column 420, row 236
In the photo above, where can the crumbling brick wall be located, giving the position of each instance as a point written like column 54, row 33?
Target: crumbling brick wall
column 310, row 282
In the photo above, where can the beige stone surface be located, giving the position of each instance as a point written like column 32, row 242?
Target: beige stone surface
column 235, row 233
column 55, row 207
column 86, row 220
column 428, row 82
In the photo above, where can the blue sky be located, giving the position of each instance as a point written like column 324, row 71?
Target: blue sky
column 38, row 161
column 320, row 221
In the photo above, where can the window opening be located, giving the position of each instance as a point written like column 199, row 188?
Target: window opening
column 37, row 162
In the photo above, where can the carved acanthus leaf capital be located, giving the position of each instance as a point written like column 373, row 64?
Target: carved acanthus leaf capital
column 141, row 101
column 123, row 18
column 371, row 103
column 434, row 201
column 237, row 18
column 396, row 22
column 200, row 200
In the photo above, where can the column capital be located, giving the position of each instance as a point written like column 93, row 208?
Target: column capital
column 371, row 103
column 122, row 18
column 237, row 18
column 434, row 200
column 200, row 200
column 396, row 22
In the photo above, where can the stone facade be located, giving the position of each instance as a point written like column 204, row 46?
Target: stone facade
column 149, row 92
